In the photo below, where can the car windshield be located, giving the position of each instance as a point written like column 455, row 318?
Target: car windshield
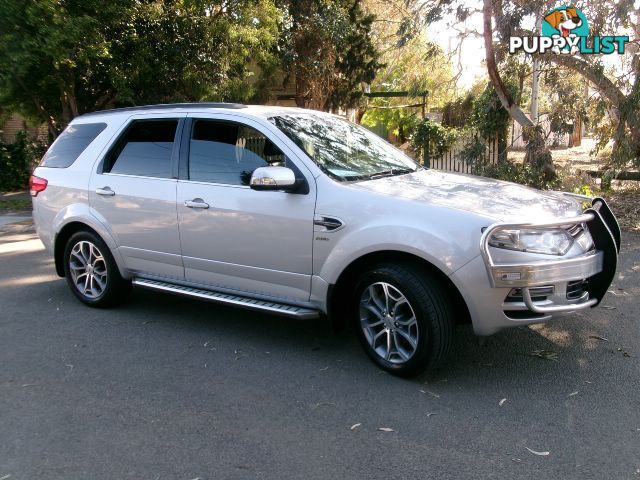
column 345, row 151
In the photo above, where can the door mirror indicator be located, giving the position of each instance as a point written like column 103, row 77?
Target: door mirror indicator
column 274, row 178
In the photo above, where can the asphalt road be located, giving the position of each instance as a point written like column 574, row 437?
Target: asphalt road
column 169, row 388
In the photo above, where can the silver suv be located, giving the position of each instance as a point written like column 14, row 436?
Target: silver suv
column 300, row 213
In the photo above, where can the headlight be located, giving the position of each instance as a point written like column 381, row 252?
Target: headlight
column 550, row 242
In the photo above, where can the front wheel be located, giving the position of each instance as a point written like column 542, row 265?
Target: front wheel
column 92, row 273
column 404, row 319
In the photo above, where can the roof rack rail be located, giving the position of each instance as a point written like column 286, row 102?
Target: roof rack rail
column 168, row 106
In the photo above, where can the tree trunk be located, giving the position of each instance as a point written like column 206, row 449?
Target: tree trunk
column 492, row 69
column 51, row 126
column 537, row 153
column 535, row 76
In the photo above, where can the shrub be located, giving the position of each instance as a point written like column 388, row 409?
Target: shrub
column 522, row 173
column 438, row 137
column 17, row 161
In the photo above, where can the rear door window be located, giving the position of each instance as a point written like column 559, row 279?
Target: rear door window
column 70, row 144
column 145, row 149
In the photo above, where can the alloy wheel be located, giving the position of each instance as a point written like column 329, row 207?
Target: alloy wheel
column 88, row 269
column 388, row 322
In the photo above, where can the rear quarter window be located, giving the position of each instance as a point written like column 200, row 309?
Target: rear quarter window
column 70, row 144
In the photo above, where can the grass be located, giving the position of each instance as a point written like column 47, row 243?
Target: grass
column 15, row 204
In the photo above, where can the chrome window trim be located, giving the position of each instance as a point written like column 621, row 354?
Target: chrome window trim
column 127, row 175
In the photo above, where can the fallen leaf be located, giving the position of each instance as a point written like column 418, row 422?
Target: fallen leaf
column 572, row 394
column 427, row 392
column 542, row 454
column 501, row 402
column 354, row 426
column 322, row 404
column 598, row 337
column 616, row 294
column 386, row 429
column 545, row 354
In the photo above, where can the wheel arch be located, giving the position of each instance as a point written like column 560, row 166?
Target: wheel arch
column 63, row 236
column 339, row 292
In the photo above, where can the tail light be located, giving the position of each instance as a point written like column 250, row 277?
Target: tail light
column 36, row 185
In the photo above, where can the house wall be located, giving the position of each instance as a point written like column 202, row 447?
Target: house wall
column 17, row 122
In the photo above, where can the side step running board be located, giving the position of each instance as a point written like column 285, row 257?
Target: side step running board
column 226, row 299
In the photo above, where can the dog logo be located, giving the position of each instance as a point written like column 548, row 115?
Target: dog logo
column 565, row 30
column 566, row 22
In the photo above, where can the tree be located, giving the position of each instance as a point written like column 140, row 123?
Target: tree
column 619, row 87
column 326, row 46
column 415, row 65
column 60, row 58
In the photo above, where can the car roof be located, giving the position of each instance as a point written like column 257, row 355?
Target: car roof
column 201, row 107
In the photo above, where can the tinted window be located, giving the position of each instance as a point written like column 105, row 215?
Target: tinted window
column 144, row 150
column 345, row 151
column 225, row 152
column 70, row 144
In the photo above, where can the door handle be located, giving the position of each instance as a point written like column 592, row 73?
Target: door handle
column 105, row 191
column 196, row 203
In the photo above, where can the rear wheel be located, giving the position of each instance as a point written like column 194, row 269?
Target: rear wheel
column 404, row 319
column 92, row 273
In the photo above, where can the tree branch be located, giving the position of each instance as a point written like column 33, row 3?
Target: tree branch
column 605, row 86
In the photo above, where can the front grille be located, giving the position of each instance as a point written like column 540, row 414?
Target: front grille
column 538, row 294
column 576, row 289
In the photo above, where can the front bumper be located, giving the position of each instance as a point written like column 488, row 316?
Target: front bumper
column 593, row 271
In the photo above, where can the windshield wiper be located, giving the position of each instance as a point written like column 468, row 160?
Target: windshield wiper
column 390, row 173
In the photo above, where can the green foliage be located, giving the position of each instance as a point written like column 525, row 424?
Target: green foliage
column 61, row 58
column 326, row 45
column 458, row 112
column 564, row 100
column 17, row 160
column 522, row 173
column 473, row 150
column 438, row 137
column 399, row 121
column 584, row 190
column 488, row 116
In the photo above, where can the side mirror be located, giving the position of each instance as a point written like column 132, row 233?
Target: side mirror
column 274, row 178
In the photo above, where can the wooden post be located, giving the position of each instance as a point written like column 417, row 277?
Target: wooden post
column 426, row 159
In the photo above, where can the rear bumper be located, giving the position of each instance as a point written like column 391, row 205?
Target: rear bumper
column 534, row 292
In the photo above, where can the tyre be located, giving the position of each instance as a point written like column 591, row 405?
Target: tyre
column 92, row 273
column 403, row 318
